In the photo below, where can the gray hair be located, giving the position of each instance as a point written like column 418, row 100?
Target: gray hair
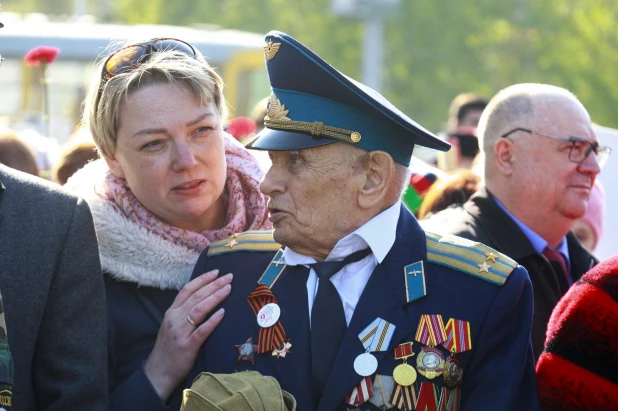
column 102, row 104
column 514, row 106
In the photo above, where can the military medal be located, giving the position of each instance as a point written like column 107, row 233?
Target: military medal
column 375, row 337
column 458, row 339
column 382, row 389
column 245, row 351
column 266, row 308
column 431, row 332
column 360, row 394
column 404, row 398
column 283, row 351
column 404, row 374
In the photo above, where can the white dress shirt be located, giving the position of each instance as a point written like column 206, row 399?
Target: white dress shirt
column 377, row 234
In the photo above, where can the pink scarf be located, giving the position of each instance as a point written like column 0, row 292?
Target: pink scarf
column 246, row 205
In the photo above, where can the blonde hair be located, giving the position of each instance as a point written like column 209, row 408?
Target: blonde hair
column 103, row 101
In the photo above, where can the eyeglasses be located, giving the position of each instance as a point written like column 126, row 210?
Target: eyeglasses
column 132, row 56
column 579, row 148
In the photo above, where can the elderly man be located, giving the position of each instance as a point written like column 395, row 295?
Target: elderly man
column 541, row 160
column 361, row 308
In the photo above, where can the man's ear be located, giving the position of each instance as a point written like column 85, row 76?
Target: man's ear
column 379, row 169
column 114, row 165
column 504, row 154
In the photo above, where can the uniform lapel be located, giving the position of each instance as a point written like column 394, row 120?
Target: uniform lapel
column 384, row 296
column 295, row 369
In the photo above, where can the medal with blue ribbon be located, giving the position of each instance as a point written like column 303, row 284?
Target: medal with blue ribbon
column 375, row 337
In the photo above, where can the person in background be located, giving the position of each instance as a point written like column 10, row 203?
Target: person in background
column 171, row 182
column 541, row 159
column 589, row 228
column 454, row 189
column 577, row 369
column 258, row 113
column 464, row 114
column 78, row 151
column 16, row 154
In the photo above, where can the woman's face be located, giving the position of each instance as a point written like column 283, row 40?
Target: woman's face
column 171, row 152
column 585, row 234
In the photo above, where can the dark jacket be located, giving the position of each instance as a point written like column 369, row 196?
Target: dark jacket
column 133, row 258
column 53, row 295
column 481, row 219
column 498, row 369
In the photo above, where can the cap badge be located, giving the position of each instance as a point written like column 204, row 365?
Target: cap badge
column 275, row 110
column 271, row 49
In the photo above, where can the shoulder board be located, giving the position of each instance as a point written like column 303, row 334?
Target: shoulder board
column 470, row 257
column 259, row 241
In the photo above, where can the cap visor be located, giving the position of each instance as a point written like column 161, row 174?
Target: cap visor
column 278, row 140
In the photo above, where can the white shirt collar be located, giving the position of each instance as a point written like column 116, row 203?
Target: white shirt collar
column 378, row 233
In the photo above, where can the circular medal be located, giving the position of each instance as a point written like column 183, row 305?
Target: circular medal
column 453, row 372
column 365, row 364
column 404, row 375
column 430, row 362
column 268, row 315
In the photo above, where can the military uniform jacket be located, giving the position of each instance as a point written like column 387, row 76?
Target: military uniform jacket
column 498, row 370
column 481, row 219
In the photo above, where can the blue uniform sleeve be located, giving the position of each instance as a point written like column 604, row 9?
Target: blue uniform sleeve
column 136, row 393
column 201, row 266
column 500, row 375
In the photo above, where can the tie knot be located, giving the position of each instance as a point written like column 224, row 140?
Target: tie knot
column 327, row 269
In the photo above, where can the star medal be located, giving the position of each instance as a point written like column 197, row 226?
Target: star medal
column 431, row 332
column 245, row 351
column 283, row 351
column 458, row 339
column 375, row 337
column 404, row 374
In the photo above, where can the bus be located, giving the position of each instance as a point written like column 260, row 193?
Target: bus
column 238, row 56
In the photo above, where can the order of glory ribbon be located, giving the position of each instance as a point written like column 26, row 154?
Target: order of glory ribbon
column 377, row 335
column 430, row 330
column 269, row 338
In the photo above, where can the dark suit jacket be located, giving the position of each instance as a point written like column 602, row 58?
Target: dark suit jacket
column 54, row 300
column 498, row 370
column 481, row 219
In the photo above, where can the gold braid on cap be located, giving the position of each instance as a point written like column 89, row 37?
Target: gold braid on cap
column 276, row 118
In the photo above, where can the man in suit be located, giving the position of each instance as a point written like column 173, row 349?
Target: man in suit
column 53, row 295
column 361, row 308
column 541, row 160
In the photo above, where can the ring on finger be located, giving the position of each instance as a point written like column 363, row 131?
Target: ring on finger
column 190, row 321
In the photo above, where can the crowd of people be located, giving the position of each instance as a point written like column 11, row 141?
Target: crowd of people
column 305, row 259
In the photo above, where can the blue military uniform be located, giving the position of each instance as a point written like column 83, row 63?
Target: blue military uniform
column 463, row 309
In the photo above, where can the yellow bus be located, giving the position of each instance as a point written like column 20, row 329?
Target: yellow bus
column 237, row 55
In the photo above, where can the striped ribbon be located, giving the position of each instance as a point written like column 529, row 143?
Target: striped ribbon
column 361, row 393
column 270, row 338
column 449, row 399
column 458, row 337
column 403, row 398
column 430, row 330
column 427, row 397
column 377, row 335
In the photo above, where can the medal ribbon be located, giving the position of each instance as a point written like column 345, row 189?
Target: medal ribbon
column 430, row 330
column 270, row 338
column 377, row 335
column 361, row 393
column 458, row 337
column 403, row 351
column 403, row 398
column 427, row 397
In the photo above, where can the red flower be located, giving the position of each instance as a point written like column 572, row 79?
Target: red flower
column 241, row 127
column 41, row 54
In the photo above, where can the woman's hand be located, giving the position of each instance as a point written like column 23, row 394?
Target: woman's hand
column 178, row 341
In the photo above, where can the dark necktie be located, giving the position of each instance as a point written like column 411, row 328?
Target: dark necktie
column 328, row 325
column 557, row 260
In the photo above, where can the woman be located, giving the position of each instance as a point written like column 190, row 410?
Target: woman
column 171, row 183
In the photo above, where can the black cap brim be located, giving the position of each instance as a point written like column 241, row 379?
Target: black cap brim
column 279, row 140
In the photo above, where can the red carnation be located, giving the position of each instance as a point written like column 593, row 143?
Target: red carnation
column 41, row 54
column 241, row 127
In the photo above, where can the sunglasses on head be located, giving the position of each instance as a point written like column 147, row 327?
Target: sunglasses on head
column 129, row 57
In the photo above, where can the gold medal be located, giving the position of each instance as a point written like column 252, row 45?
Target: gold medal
column 453, row 372
column 430, row 362
column 404, row 375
